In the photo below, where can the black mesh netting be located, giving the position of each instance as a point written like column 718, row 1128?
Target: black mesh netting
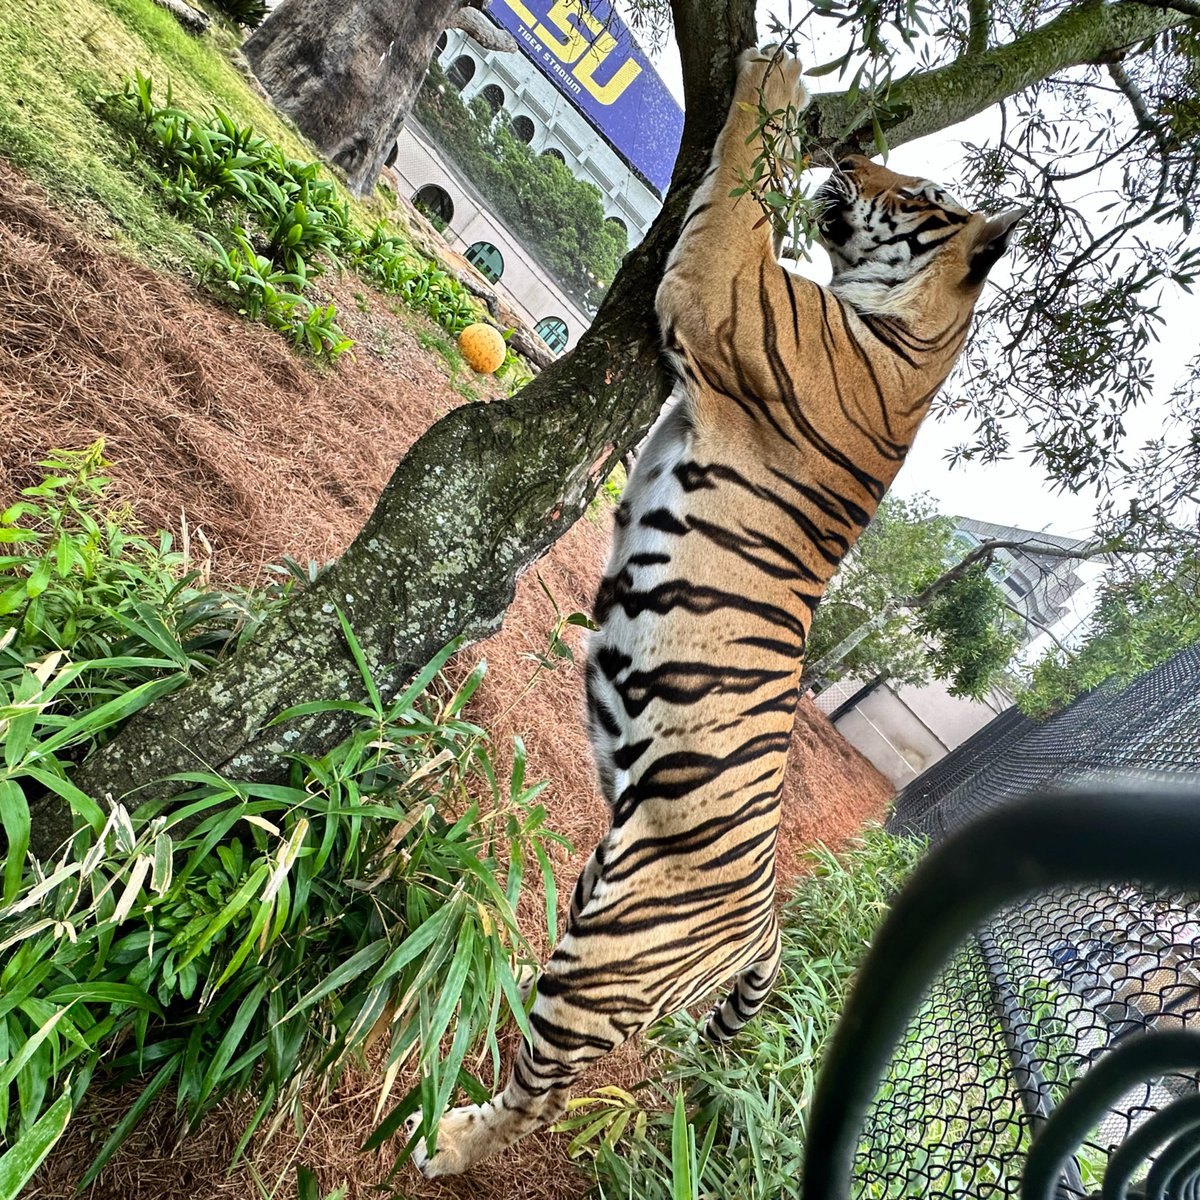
column 1050, row 986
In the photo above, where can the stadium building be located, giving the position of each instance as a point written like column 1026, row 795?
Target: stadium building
column 578, row 88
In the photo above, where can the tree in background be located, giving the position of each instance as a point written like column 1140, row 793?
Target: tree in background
column 1138, row 623
column 491, row 486
column 907, row 542
column 894, row 611
column 971, row 631
column 561, row 218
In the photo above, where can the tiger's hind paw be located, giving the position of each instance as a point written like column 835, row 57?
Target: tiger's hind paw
column 461, row 1143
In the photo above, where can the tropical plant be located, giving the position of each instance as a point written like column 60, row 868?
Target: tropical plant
column 254, row 934
column 274, row 223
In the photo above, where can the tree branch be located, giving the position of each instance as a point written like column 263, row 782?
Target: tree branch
column 934, row 100
column 482, row 31
column 1016, row 612
column 1189, row 8
column 513, row 474
column 979, row 25
column 1137, row 102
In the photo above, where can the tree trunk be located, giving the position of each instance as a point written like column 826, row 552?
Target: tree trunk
column 347, row 72
column 491, row 37
column 481, row 495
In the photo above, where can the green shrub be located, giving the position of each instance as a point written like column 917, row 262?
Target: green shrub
column 247, row 13
column 249, row 935
column 273, row 223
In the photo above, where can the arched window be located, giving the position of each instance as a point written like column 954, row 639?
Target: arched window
column 617, row 223
column 462, row 72
column 435, row 203
column 553, row 153
column 523, row 128
column 552, row 331
column 486, row 259
column 440, row 47
column 494, row 97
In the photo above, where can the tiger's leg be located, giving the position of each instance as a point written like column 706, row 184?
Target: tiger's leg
column 585, row 887
column 573, row 1026
column 750, row 991
column 720, row 227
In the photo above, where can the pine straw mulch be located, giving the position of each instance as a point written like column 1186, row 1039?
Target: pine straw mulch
column 207, row 416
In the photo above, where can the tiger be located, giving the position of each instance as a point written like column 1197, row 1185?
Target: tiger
column 793, row 407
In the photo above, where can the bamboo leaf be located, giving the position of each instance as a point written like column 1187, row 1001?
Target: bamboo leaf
column 19, row 1163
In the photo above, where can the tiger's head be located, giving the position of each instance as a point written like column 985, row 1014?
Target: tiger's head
column 895, row 239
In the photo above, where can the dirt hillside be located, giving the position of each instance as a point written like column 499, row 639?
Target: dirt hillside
column 208, row 416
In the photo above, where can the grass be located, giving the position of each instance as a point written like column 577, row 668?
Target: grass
column 747, row 1102
column 59, row 57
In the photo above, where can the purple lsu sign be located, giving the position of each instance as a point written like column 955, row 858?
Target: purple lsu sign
column 585, row 48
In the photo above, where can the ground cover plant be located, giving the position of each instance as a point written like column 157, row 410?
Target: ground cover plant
column 275, row 223
column 254, row 935
column 58, row 58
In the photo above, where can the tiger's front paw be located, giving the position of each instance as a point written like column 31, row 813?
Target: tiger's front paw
column 461, row 1143
column 772, row 78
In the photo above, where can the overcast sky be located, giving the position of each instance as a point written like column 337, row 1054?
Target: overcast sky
column 1013, row 492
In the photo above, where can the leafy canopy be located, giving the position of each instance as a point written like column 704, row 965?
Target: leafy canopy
column 1138, row 623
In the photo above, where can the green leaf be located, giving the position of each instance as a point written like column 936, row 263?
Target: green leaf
column 683, row 1152
column 19, row 1163
column 236, row 905
column 508, row 985
column 37, row 583
column 81, row 804
column 246, row 1013
column 416, row 943
column 425, row 676
column 14, row 816
column 361, row 661
column 13, row 1067
column 130, row 1119
column 354, row 966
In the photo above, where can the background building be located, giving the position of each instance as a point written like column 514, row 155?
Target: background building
column 904, row 729
column 578, row 88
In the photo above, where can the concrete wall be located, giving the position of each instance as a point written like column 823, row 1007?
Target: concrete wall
column 903, row 730
column 532, row 291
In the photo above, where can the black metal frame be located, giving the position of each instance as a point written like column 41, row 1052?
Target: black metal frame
column 1147, row 834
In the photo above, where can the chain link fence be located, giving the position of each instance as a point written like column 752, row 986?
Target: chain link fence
column 1045, row 989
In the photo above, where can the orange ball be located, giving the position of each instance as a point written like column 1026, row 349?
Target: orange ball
column 482, row 346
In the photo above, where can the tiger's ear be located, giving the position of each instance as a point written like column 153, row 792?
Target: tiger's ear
column 991, row 242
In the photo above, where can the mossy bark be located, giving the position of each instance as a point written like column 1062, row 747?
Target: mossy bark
column 490, row 487
column 925, row 103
